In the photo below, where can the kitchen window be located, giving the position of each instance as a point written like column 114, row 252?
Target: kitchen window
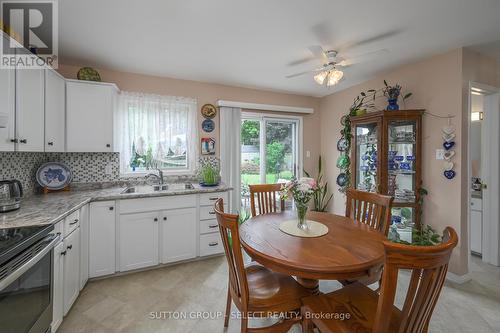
column 156, row 132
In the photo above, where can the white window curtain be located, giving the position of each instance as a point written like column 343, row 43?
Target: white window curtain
column 230, row 153
column 160, row 127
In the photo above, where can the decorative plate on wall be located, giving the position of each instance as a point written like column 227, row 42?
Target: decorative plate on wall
column 88, row 74
column 341, row 179
column 342, row 144
column 208, row 125
column 54, row 175
column 208, row 111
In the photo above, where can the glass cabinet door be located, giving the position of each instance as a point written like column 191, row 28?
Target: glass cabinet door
column 401, row 168
column 366, row 162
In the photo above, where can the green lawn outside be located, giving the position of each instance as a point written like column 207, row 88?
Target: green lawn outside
column 270, row 178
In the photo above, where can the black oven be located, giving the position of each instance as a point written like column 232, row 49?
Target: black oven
column 26, row 281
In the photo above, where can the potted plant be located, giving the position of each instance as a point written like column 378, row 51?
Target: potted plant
column 321, row 197
column 209, row 172
column 392, row 93
column 302, row 191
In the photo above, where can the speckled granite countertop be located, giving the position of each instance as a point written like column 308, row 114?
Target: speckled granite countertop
column 50, row 208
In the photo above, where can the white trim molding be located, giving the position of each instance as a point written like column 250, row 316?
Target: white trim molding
column 458, row 279
column 264, row 107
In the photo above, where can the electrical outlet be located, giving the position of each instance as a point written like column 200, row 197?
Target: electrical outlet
column 308, row 153
column 108, row 169
column 439, row 154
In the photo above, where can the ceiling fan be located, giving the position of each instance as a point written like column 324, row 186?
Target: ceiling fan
column 330, row 72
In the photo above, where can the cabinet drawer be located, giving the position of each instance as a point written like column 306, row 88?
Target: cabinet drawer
column 209, row 199
column 209, row 226
column 210, row 244
column 71, row 222
column 476, row 204
column 208, row 212
column 157, row 203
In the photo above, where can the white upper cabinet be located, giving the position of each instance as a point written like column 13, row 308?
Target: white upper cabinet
column 55, row 87
column 7, row 109
column 30, row 109
column 89, row 116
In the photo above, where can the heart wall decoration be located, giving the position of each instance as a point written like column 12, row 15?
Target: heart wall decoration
column 448, row 134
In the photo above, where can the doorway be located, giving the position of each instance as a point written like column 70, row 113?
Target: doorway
column 270, row 150
column 483, row 166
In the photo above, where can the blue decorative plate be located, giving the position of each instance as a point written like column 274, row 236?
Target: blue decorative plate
column 208, row 125
column 54, row 175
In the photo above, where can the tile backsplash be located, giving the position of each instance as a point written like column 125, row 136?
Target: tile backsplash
column 86, row 167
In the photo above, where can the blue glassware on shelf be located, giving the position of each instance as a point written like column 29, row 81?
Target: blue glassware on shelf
column 393, row 104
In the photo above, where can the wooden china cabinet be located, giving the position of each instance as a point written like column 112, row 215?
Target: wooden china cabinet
column 386, row 157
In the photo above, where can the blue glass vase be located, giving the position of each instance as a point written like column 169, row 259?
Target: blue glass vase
column 393, row 104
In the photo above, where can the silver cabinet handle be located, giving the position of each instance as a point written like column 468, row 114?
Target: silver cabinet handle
column 63, row 253
column 69, row 247
column 74, row 222
column 213, row 199
column 23, row 141
column 212, row 226
column 50, row 143
column 211, row 213
column 213, row 244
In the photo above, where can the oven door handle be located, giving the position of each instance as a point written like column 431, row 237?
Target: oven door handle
column 52, row 239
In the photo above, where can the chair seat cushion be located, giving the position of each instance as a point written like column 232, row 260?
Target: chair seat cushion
column 270, row 291
column 350, row 309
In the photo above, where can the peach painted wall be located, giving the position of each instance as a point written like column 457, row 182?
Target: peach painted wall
column 210, row 93
column 436, row 84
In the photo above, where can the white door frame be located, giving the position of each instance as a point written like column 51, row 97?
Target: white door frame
column 269, row 116
column 490, row 174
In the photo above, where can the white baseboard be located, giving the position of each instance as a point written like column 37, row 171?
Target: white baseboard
column 459, row 279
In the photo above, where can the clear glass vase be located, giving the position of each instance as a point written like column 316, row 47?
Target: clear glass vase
column 301, row 215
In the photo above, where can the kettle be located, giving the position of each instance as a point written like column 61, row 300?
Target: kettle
column 11, row 192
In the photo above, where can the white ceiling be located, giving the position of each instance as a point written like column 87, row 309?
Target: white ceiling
column 251, row 43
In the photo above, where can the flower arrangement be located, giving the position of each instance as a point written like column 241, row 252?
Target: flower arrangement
column 302, row 190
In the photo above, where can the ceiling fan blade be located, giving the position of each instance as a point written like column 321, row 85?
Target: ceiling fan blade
column 369, row 40
column 362, row 57
column 318, row 52
column 306, row 72
column 301, row 61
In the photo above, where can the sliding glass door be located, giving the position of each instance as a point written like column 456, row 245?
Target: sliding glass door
column 269, row 150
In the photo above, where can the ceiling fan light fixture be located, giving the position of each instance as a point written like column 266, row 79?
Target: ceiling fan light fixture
column 320, row 77
column 334, row 76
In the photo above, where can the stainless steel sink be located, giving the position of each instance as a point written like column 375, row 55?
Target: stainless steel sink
column 157, row 188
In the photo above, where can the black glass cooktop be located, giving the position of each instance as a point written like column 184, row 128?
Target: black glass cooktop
column 16, row 240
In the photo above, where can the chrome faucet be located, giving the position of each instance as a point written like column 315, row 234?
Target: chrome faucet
column 158, row 176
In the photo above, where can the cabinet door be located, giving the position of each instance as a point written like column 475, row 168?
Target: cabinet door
column 476, row 231
column 178, row 235
column 102, row 239
column 365, row 159
column 55, row 94
column 71, row 269
column 89, row 116
column 138, row 240
column 30, row 109
column 57, row 294
column 84, row 245
column 7, row 109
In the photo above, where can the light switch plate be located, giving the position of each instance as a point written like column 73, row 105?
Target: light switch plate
column 439, row 154
column 308, row 153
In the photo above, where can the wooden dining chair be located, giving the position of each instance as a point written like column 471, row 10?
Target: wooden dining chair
column 255, row 290
column 370, row 208
column 267, row 195
column 374, row 313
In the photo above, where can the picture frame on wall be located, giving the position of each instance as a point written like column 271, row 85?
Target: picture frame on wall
column 207, row 146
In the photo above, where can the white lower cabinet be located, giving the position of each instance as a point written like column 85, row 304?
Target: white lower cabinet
column 138, row 241
column 102, row 235
column 178, row 235
column 57, row 295
column 71, row 279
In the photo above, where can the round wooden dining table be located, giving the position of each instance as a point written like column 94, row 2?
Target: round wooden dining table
column 349, row 250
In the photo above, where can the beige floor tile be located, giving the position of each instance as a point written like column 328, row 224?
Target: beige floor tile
column 125, row 304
